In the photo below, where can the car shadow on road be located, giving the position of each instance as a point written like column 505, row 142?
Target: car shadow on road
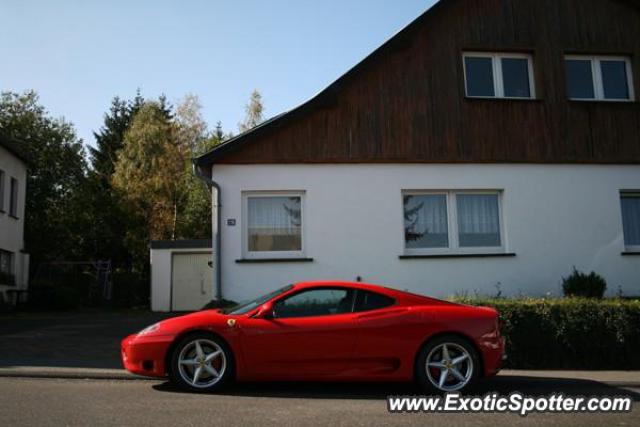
column 504, row 385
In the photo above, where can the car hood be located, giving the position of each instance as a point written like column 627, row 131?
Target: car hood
column 199, row 319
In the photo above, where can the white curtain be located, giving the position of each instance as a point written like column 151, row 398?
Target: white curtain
column 426, row 221
column 274, row 223
column 631, row 219
column 478, row 219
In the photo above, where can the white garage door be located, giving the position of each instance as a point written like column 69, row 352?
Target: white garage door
column 192, row 281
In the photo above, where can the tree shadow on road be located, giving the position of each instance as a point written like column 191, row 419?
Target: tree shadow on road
column 504, row 385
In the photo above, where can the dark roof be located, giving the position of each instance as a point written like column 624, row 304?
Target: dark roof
column 13, row 147
column 181, row 244
column 324, row 98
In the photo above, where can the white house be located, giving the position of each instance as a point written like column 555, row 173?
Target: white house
column 14, row 262
column 488, row 146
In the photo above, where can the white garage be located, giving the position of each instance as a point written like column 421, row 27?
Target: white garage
column 181, row 275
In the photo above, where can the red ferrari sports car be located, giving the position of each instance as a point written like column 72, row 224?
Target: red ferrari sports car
column 323, row 331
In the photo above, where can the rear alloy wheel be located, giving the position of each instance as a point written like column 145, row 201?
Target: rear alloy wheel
column 447, row 364
column 201, row 362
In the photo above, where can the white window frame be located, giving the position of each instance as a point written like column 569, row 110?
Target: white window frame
column 454, row 247
column 628, row 193
column 596, row 73
column 246, row 253
column 498, row 82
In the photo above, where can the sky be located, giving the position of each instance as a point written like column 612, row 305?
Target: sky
column 79, row 54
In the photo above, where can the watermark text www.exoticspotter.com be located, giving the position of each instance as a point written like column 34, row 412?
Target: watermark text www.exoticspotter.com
column 515, row 403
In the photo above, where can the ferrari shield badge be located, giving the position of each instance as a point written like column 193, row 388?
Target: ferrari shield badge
column 231, row 322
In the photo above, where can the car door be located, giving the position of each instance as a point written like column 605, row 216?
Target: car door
column 312, row 335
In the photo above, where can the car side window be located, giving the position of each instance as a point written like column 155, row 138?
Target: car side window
column 315, row 302
column 366, row 300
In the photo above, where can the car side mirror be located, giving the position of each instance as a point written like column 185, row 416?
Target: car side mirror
column 265, row 311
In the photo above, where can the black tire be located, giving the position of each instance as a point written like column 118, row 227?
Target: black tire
column 420, row 369
column 177, row 376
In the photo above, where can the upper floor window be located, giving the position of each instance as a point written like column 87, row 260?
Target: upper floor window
column 498, row 75
column 605, row 78
column 630, row 204
column 441, row 222
column 13, row 198
column 272, row 224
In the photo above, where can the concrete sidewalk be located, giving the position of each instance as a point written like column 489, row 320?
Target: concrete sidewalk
column 612, row 378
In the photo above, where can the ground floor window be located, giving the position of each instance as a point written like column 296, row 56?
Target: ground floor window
column 6, row 268
column 630, row 204
column 273, row 224
column 452, row 221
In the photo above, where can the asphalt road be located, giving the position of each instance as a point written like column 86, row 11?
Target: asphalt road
column 44, row 402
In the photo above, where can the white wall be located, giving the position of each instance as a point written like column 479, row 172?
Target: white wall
column 555, row 217
column 12, row 229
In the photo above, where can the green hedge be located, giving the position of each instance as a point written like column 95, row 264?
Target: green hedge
column 570, row 333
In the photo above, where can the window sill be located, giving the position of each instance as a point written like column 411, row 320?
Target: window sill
column 268, row 260
column 493, row 98
column 479, row 255
column 603, row 101
column 13, row 216
column 627, row 253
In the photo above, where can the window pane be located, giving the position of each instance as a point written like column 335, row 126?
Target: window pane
column 6, row 266
column 1, row 190
column 614, row 79
column 479, row 74
column 478, row 220
column 579, row 79
column 317, row 302
column 631, row 219
column 372, row 301
column 515, row 75
column 13, row 202
column 274, row 224
column 425, row 221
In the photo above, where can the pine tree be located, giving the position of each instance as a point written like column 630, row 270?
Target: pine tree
column 109, row 221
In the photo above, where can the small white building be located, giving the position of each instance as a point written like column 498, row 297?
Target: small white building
column 14, row 262
column 485, row 148
column 181, row 275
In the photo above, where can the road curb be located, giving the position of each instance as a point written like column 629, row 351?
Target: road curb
column 122, row 375
column 71, row 373
column 612, row 378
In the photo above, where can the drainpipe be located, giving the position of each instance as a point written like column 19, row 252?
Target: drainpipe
column 216, row 240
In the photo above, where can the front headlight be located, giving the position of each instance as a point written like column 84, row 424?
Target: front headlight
column 150, row 329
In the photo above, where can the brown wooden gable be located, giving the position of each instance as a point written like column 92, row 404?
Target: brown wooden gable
column 406, row 101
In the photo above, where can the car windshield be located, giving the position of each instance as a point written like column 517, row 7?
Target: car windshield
column 246, row 307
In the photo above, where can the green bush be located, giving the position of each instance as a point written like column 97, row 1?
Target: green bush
column 46, row 295
column 571, row 333
column 579, row 284
column 223, row 303
column 129, row 290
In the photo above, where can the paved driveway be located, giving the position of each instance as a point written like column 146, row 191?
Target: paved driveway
column 87, row 339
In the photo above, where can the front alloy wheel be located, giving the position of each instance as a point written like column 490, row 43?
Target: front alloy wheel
column 200, row 362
